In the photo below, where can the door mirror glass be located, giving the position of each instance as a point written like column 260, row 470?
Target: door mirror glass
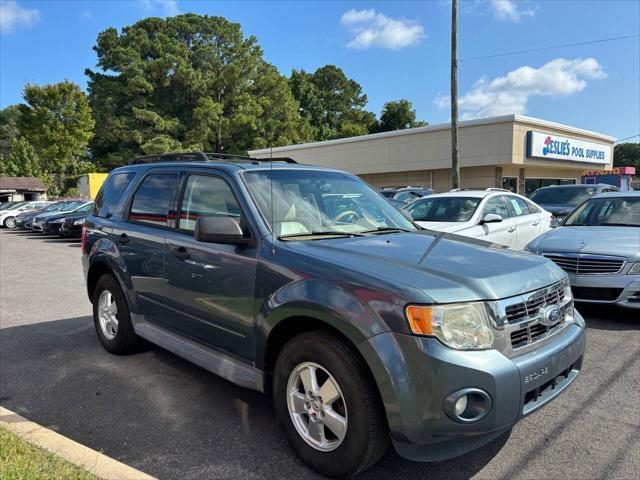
column 491, row 218
column 219, row 230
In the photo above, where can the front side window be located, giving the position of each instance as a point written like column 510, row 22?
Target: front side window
column 308, row 202
column 444, row 209
column 615, row 212
column 495, row 206
column 152, row 200
column 206, row 196
column 110, row 194
column 517, row 206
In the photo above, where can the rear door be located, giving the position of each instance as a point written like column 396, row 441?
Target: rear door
column 527, row 223
column 140, row 237
column 210, row 286
column 504, row 232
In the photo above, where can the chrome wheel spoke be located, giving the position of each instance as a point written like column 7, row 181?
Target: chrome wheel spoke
column 298, row 401
column 335, row 422
column 328, row 392
column 309, row 379
column 316, row 432
column 107, row 311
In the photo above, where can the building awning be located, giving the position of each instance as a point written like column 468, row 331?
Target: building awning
column 29, row 184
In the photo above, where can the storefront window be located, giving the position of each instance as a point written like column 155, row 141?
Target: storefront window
column 510, row 183
column 532, row 184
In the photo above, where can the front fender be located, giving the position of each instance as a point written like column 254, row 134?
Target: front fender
column 323, row 301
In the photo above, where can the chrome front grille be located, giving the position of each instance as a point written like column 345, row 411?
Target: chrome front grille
column 522, row 323
column 587, row 264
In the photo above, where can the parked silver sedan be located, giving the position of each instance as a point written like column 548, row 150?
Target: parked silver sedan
column 598, row 245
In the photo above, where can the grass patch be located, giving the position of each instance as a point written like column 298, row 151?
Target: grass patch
column 19, row 460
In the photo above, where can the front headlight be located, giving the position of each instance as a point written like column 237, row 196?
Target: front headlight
column 635, row 269
column 463, row 326
column 79, row 222
column 59, row 220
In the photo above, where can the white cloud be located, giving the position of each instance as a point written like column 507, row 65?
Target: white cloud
column 370, row 28
column 12, row 15
column 169, row 7
column 86, row 16
column 509, row 94
column 510, row 10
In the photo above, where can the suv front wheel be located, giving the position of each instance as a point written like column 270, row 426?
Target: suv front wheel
column 327, row 405
column 112, row 318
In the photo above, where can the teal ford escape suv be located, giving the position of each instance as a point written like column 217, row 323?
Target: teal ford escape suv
column 306, row 284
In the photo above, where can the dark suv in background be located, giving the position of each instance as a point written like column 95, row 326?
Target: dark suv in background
column 305, row 283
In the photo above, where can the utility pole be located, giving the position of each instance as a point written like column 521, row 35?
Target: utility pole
column 455, row 167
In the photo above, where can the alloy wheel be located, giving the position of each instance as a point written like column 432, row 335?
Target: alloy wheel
column 317, row 407
column 107, row 315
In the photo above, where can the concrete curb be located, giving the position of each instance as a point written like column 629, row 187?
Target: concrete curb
column 100, row 465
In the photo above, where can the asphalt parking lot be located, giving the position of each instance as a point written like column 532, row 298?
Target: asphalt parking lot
column 169, row 418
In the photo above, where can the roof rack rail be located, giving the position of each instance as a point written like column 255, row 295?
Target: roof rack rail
column 203, row 157
column 489, row 189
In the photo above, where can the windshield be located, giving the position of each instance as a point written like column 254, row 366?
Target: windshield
column 52, row 208
column 562, row 195
column 16, row 205
column 615, row 212
column 307, row 202
column 7, row 205
column 443, row 209
column 85, row 209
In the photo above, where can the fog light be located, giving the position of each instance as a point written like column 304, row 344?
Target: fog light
column 467, row 405
column 461, row 405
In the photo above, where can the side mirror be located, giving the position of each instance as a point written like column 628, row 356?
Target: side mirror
column 491, row 218
column 219, row 230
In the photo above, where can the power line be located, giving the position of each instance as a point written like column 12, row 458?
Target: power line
column 627, row 138
column 516, row 52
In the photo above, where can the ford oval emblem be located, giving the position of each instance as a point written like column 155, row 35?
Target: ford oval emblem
column 551, row 315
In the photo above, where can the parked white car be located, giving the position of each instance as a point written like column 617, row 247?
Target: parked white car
column 495, row 215
column 8, row 215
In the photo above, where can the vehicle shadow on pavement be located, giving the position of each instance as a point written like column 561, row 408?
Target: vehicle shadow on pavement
column 161, row 414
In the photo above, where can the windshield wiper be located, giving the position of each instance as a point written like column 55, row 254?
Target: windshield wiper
column 387, row 230
column 619, row 224
column 322, row 233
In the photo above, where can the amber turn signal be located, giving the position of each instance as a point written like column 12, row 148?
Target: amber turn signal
column 419, row 318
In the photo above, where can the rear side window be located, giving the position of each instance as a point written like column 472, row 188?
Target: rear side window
column 110, row 194
column 495, row 206
column 533, row 208
column 206, row 196
column 152, row 200
column 517, row 206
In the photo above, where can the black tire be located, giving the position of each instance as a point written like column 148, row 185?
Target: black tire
column 10, row 222
column 125, row 340
column 367, row 436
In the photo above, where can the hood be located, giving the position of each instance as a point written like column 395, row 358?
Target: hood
column 444, row 266
column 47, row 215
column 75, row 216
column 443, row 226
column 58, row 216
column 29, row 213
column 559, row 210
column 622, row 241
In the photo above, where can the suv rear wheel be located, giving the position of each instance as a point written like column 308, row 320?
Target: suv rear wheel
column 112, row 318
column 327, row 405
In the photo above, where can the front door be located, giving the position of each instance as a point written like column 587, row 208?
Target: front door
column 504, row 232
column 210, row 286
column 527, row 223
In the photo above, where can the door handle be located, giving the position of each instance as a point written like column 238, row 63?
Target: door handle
column 511, row 229
column 181, row 253
column 124, row 239
column 535, row 224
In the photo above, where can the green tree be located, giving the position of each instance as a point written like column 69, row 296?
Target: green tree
column 56, row 120
column 23, row 160
column 190, row 82
column 627, row 155
column 332, row 103
column 398, row 115
column 8, row 129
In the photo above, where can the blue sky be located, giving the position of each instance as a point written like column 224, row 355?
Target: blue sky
column 393, row 49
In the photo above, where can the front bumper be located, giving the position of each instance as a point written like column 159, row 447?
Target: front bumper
column 37, row 226
column 622, row 290
column 51, row 228
column 71, row 230
column 416, row 374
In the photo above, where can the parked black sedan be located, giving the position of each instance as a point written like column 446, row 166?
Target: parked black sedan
column 72, row 225
column 52, row 225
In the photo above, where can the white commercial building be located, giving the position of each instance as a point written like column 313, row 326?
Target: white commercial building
column 512, row 151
